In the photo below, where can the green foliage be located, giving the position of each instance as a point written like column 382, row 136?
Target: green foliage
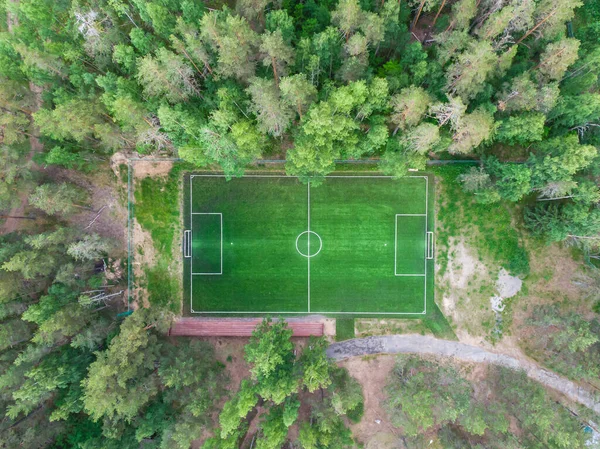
column 65, row 158
column 502, row 241
column 122, row 380
column 276, row 379
column 58, row 199
column 157, row 209
column 423, row 395
column 270, row 354
column 311, row 81
column 344, row 329
column 521, row 129
column 421, row 390
column 315, row 365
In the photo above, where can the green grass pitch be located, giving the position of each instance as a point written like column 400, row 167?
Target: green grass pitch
column 268, row 244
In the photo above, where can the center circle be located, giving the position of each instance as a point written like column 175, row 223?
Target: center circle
column 306, row 243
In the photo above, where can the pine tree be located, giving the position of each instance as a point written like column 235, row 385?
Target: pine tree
column 278, row 54
column 409, row 107
column 272, row 114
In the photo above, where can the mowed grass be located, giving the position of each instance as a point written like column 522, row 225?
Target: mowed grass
column 354, row 272
column 354, row 221
column 262, row 271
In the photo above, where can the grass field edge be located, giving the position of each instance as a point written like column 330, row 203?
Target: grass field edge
column 432, row 316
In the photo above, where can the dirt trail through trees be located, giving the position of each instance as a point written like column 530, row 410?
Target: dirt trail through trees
column 419, row 344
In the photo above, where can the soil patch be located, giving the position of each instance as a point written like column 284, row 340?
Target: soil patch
column 372, row 373
column 145, row 169
column 507, row 285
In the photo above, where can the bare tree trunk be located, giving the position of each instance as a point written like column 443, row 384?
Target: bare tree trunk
column 416, row 19
column 273, row 63
column 439, row 12
column 16, row 217
column 539, row 24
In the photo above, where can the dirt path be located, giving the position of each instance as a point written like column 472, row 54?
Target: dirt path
column 419, row 344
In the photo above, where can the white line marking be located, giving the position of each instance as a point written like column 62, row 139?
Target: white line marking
column 187, row 243
column 294, row 177
column 317, row 312
column 396, row 245
column 426, row 224
column 308, row 190
column 430, row 245
column 323, row 312
column 192, row 248
column 309, row 254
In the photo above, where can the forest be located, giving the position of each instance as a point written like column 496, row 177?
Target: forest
column 503, row 82
column 510, row 84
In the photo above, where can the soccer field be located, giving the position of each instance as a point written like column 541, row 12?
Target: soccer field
column 269, row 244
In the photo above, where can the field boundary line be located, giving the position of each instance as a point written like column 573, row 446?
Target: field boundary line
column 315, row 312
column 358, row 313
column 308, row 250
column 295, row 177
column 425, row 255
column 191, row 246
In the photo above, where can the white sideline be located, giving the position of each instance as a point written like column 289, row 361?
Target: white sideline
column 308, row 208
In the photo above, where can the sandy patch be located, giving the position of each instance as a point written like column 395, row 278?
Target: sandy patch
column 465, row 290
column 385, row 440
column 143, row 169
column 462, row 265
column 116, row 161
column 507, row 285
column 329, row 328
column 230, row 352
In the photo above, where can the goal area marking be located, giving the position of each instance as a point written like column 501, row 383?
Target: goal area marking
column 188, row 250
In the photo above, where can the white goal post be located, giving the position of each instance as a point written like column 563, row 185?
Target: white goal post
column 430, row 245
column 187, row 244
